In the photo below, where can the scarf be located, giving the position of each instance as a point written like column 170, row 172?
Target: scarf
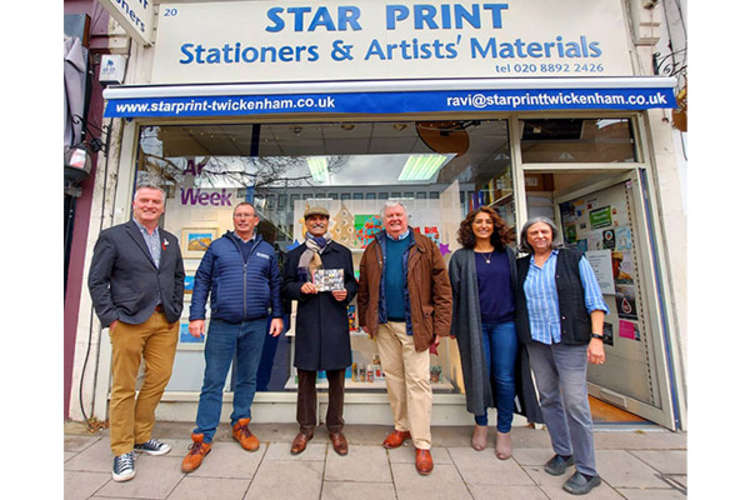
column 310, row 261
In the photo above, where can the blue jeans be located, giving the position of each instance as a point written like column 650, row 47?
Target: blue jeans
column 222, row 342
column 500, row 349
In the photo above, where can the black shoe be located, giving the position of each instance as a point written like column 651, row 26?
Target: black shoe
column 152, row 447
column 578, row 484
column 123, row 467
column 557, row 465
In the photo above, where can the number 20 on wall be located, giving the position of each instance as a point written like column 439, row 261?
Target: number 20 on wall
column 170, row 12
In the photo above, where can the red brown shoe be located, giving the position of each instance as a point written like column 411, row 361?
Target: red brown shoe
column 198, row 450
column 300, row 443
column 340, row 445
column 396, row 439
column 424, row 462
column 241, row 433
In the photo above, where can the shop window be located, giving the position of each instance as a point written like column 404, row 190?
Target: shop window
column 577, row 140
column 206, row 171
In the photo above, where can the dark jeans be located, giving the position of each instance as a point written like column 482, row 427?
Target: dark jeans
column 500, row 349
column 222, row 341
column 307, row 397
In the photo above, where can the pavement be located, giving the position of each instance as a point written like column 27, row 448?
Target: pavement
column 635, row 462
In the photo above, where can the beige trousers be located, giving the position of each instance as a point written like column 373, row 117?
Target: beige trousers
column 407, row 378
column 131, row 420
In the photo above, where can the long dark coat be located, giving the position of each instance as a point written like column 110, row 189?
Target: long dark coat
column 467, row 328
column 322, row 327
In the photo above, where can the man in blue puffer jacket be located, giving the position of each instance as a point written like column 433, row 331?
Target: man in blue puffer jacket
column 241, row 272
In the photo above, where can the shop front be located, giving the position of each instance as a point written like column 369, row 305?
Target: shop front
column 347, row 107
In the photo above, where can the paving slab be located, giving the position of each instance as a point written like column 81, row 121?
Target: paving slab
column 291, row 480
column 532, row 456
column 229, row 460
column 155, row 477
column 483, row 467
column 650, row 494
column 96, row 458
column 199, row 488
column 75, row 443
column 552, row 485
column 363, row 463
column 495, row 492
column 622, row 470
column 67, row 455
column 665, row 461
column 315, row 451
column 657, row 439
column 443, row 483
column 80, row 485
column 407, row 455
column 345, row 490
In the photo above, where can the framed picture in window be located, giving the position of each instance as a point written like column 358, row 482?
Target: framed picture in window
column 195, row 241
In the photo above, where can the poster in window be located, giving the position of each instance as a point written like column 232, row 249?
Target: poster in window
column 600, row 217
column 625, row 300
column 600, row 261
column 607, row 333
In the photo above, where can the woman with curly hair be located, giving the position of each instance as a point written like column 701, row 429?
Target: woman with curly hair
column 495, row 368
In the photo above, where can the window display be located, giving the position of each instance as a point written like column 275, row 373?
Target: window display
column 438, row 170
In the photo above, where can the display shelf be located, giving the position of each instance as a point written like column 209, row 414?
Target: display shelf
column 502, row 200
column 378, row 384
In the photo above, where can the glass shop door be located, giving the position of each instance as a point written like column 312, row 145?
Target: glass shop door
column 606, row 218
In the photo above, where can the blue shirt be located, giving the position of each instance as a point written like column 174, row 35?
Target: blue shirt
column 152, row 242
column 541, row 297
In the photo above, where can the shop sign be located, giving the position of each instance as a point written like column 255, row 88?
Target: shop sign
column 260, row 41
column 396, row 102
column 135, row 16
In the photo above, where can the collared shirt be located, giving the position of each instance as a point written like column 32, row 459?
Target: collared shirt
column 152, row 242
column 400, row 237
column 542, row 301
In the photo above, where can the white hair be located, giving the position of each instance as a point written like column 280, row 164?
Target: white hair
column 391, row 204
column 150, row 185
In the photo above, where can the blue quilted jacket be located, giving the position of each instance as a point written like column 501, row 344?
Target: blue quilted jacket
column 239, row 290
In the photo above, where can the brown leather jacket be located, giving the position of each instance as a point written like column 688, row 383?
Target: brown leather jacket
column 429, row 287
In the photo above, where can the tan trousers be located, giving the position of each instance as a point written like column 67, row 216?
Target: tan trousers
column 131, row 421
column 407, row 378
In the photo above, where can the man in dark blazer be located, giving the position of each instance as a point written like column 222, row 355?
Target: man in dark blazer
column 322, row 327
column 136, row 283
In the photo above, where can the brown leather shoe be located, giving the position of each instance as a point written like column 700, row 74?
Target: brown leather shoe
column 340, row 445
column 241, row 433
column 396, row 439
column 300, row 443
column 198, row 450
column 424, row 462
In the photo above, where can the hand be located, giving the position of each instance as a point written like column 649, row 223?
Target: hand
column 366, row 330
column 595, row 352
column 112, row 325
column 197, row 327
column 453, row 337
column 277, row 326
column 434, row 345
column 308, row 287
column 339, row 294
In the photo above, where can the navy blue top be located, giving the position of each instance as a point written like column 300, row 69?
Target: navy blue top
column 394, row 278
column 246, row 247
column 497, row 303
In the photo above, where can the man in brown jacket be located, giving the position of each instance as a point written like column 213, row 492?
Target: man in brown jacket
column 405, row 304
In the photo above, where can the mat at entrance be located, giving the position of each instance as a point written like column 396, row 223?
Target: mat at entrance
column 605, row 412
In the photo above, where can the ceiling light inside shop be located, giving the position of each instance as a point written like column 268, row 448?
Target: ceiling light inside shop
column 318, row 166
column 423, row 167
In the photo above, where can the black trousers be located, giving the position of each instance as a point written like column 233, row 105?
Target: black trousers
column 307, row 398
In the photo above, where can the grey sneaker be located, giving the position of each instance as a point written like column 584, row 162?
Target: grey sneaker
column 153, row 447
column 578, row 484
column 557, row 465
column 124, row 467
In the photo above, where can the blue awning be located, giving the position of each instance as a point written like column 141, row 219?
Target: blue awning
column 389, row 97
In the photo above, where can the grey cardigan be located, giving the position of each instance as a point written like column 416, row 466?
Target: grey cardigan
column 467, row 328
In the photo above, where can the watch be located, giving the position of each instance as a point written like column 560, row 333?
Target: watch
column 597, row 336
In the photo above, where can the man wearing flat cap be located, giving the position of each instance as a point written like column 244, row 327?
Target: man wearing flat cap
column 322, row 326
